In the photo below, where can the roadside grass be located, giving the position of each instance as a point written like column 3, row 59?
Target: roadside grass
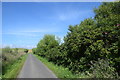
column 14, row 69
column 60, row 71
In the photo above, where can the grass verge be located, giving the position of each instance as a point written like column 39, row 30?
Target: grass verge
column 15, row 68
column 59, row 71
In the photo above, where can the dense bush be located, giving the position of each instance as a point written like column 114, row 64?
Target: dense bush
column 26, row 50
column 8, row 57
column 34, row 50
column 91, row 40
column 102, row 69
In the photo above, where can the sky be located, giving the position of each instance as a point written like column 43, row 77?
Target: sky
column 57, row 0
column 25, row 23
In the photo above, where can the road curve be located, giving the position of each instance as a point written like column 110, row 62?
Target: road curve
column 34, row 68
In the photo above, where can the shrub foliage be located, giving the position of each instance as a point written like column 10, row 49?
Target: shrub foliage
column 93, row 40
column 8, row 58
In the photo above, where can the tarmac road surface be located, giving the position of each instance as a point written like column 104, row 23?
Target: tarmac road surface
column 34, row 68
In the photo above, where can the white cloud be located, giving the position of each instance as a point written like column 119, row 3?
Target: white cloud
column 62, row 39
column 48, row 29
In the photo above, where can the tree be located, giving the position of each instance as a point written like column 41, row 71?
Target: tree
column 45, row 45
column 34, row 50
column 95, row 38
column 26, row 50
column 79, row 38
column 108, row 14
column 91, row 40
column 108, row 18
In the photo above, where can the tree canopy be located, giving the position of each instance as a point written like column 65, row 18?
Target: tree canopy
column 93, row 40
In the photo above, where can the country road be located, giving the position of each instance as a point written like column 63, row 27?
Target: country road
column 34, row 68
